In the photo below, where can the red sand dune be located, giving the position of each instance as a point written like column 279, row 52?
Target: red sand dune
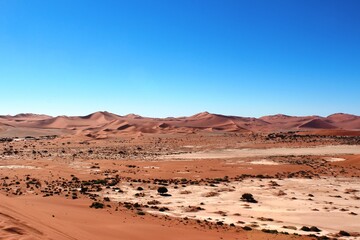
column 317, row 124
column 222, row 122
column 351, row 124
column 108, row 124
column 31, row 116
column 345, row 121
column 276, row 118
column 57, row 122
column 284, row 122
column 133, row 116
column 101, row 117
column 342, row 117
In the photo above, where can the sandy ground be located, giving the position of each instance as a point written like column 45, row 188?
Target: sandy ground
column 47, row 186
column 57, row 219
column 54, row 218
column 331, row 205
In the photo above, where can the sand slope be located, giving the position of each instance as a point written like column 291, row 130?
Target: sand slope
column 317, row 124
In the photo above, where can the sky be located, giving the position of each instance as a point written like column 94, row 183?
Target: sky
column 179, row 57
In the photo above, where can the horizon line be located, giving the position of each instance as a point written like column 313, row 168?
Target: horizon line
column 203, row 112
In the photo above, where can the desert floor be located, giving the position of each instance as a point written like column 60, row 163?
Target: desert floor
column 307, row 188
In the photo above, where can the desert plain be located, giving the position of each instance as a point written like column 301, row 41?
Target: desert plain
column 207, row 176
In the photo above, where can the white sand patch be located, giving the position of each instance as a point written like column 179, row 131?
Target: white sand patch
column 252, row 152
column 329, row 204
column 79, row 165
column 335, row 159
column 83, row 166
column 151, row 167
column 18, row 167
column 232, row 162
column 264, row 162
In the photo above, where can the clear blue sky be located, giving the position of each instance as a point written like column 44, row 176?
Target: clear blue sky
column 179, row 57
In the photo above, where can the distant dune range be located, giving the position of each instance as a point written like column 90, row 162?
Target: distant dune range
column 105, row 124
